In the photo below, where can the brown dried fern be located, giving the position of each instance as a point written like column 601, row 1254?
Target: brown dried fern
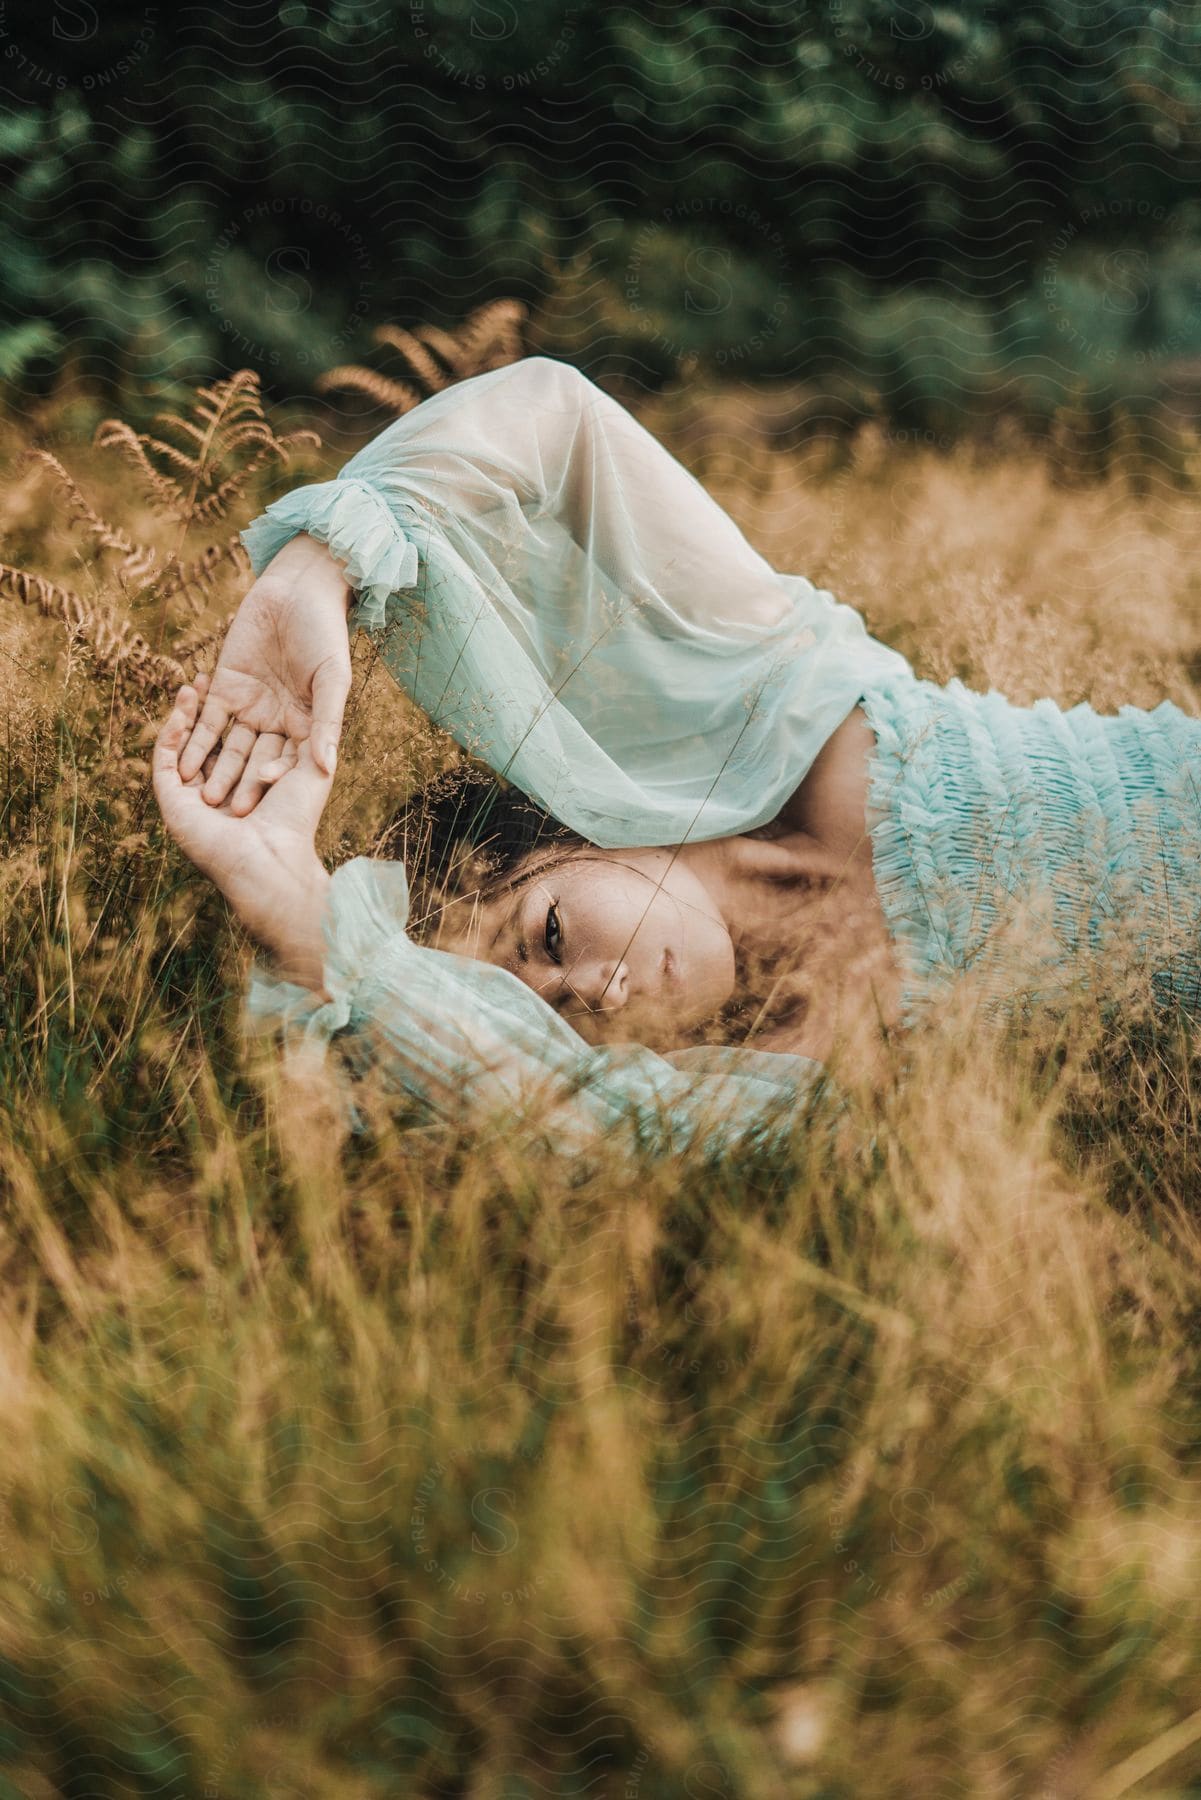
column 229, row 419
column 138, row 560
column 492, row 334
column 415, row 354
column 488, row 338
column 454, row 354
column 400, row 396
column 111, row 642
column 226, row 441
column 195, row 580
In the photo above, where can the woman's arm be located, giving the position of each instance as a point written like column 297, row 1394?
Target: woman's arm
column 284, row 669
column 524, row 499
column 538, row 441
column 558, row 593
column 266, row 865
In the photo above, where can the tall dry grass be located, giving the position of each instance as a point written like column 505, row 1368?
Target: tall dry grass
column 411, row 1467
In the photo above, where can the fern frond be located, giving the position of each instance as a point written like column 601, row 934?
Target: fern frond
column 32, row 589
column 235, row 437
column 138, row 560
column 228, row 419
column 228, row 437
column 191, row 465
column 184, row 425
column 447, row 346
column 302, row 435
column 414, row 353
column 115, row 434
column 196, row 579
column 116, row 648
column 239, row 392
column 402, row 396
column 491, row 335
column 111, row 641
column 219, row 501
column 221, row 446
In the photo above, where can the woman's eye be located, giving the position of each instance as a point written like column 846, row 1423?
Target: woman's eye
column 554, row 934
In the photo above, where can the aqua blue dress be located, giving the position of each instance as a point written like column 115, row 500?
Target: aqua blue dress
column 553, row 588
column 1029, row 853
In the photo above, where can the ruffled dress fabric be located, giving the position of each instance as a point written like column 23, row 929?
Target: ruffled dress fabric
column 353, row 518
column 1045, row 850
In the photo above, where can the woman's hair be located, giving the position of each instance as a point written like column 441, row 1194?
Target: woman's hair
column 470, row 833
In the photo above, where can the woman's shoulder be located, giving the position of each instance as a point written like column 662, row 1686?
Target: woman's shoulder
column 830, row 807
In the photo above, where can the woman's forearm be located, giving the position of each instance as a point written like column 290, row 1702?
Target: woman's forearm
column 290, row 926
column 306, row 565
column 280, row 894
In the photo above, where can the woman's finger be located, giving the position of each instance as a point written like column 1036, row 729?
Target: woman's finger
column 331, row 688
column 206, row 731
column 231, row 760
column 174, row 729
column 287, row 759
column 255, row 780
column 172, row 736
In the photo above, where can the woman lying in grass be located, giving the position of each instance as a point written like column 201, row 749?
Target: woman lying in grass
column 771, row 824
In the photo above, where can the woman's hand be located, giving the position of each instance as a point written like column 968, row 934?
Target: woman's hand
column 265, row 863
column 284, row 672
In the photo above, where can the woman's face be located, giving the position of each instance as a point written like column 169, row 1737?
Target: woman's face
column 626, row 944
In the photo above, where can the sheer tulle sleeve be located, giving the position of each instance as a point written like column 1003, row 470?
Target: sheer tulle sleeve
column 556, row 590
column 466, row 1040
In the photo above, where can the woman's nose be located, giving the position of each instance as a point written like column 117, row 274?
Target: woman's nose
column 605, row 985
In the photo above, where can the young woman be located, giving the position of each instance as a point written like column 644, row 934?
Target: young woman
column 765, row 802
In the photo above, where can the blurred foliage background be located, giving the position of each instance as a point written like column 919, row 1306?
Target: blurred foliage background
column 939, row 213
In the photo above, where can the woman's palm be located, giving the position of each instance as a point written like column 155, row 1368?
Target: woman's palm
column 253, row 858
column 270, row 663
column 283, row 672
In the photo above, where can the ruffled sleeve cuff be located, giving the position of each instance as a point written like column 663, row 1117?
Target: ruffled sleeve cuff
column 368, row 906
column 355, row 520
